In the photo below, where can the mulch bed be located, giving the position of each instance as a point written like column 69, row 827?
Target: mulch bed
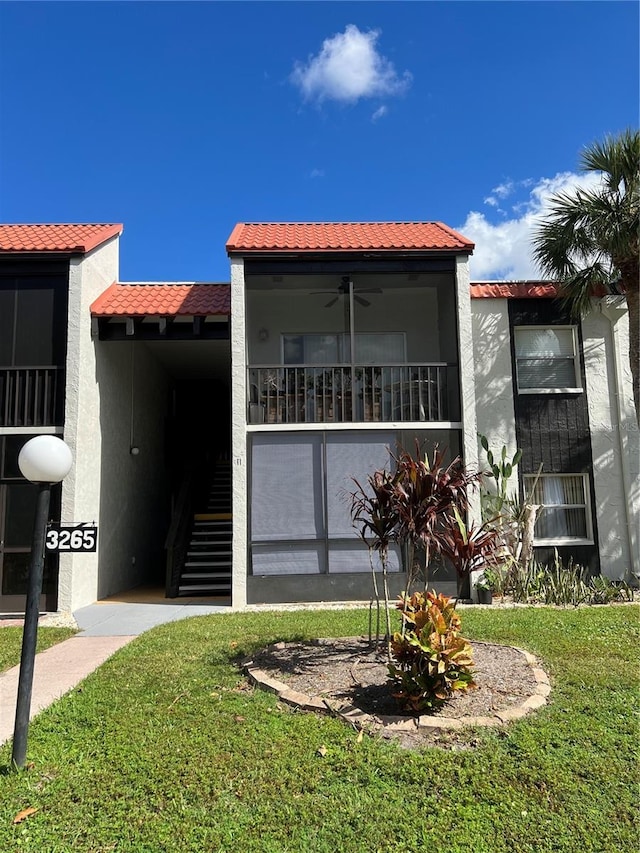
column 350, row 670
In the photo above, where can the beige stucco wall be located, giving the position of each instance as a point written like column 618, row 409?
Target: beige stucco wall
column 614, row 437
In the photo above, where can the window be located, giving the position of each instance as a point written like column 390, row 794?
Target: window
column 300, row 487
column 371, row 348
column 546, row 359
column 564, row 514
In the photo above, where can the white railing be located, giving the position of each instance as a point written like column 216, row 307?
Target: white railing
column 349, row 394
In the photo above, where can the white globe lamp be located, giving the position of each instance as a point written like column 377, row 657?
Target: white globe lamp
column 45, row 459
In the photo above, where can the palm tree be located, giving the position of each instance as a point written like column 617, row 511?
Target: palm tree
column 589, row 242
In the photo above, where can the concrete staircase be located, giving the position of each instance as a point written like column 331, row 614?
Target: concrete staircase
column 207, row 568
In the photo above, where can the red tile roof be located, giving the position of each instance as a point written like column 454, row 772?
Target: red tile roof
column 162, row 299
column 72, row 239
column 512, row 289
column 249, row 237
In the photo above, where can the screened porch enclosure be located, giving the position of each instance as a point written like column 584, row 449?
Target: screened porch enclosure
column 303, row 545
column 352, row 349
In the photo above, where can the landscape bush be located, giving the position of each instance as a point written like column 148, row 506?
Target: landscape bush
column 432, row 658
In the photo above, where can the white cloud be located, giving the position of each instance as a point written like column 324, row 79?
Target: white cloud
column 504, row 190
column 347, row 68
column 379, row 113
column 501, row 192
column 503, row 250
column 317, row 173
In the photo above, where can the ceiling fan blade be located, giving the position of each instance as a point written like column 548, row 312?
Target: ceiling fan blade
column 364, row 302
column 369, row 290
column 331, row 302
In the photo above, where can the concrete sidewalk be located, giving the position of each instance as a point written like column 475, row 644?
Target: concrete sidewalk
column 104, row 627
column 57, row 670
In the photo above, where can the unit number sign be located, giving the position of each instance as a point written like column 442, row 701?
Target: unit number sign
column 71, row 537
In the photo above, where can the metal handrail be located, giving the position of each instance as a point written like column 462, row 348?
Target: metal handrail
column 31, row 396
column 176, row 543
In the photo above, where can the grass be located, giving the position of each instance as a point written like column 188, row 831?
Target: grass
column 164, row 749
column 11, row 643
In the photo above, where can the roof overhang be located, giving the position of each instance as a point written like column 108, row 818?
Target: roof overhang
column 149, row 311
column 297, row 239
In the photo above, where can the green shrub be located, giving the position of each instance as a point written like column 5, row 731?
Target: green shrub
column 433, row 659
column 562, row 585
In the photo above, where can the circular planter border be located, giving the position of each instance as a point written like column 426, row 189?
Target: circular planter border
column 400, row 723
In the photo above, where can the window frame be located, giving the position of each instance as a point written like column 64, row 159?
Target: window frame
column 586, row 506
column 578, row 387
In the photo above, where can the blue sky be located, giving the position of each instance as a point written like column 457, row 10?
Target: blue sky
column 180, row 119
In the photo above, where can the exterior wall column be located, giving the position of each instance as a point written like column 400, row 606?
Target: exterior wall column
column 467, row 375
column 614, row 437
column 239, row 456
column 89, row 275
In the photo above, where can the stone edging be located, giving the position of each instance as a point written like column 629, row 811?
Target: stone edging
column 369, row 722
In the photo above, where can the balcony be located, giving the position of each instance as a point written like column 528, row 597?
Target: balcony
column 352, row 394
column 31, row 396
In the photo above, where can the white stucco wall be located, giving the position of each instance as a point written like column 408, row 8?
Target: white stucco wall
column 494, row 388
column 614, row 437
column 239, row 462
column 89, row 275
column 134, row 496
column 467, row 373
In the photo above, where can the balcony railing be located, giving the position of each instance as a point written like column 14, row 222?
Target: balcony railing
column 346, row 394
column 31, row 396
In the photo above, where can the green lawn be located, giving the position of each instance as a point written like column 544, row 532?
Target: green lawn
column 11, row 643
column 163, row 749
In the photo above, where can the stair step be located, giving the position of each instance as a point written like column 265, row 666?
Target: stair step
column 208, row 565
column 205, row 576
column 222, row 531
column 221, row 589
column 212, row 516
column 208, row 553
column 221, row 559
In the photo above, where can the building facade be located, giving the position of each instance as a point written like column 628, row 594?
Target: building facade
column 218, row 428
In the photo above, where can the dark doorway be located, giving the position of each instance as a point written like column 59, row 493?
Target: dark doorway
column 17, row 511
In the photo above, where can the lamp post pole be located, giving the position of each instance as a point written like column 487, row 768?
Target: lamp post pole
column 30, row 630
column 43, row 460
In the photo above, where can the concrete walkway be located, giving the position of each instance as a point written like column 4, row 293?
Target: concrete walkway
column 57, row 670
column 105, row 627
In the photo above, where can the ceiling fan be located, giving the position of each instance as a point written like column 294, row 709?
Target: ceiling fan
column 343, row 288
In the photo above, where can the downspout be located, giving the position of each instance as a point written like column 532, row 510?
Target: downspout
column 611, row 310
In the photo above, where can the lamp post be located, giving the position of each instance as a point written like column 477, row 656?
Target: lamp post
column 44, row 460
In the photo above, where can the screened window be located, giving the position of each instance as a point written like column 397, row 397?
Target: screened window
column 371, row 348
column 564, row 507
column 300, row 506
column 546, row 359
